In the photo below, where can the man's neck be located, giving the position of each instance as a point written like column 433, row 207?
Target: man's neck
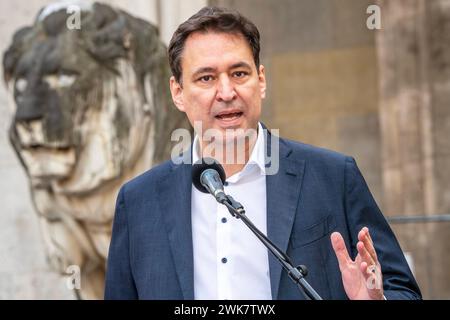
column 232, row 156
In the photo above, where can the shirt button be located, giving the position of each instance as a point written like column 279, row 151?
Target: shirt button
column 224, row 220
column 225, row 183
column 224, row 260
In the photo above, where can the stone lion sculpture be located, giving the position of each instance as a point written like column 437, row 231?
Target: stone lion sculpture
column 93, row 109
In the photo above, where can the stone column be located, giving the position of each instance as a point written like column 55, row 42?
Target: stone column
column 414, row 73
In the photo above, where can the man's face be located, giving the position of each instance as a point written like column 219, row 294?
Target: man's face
column 221, row 87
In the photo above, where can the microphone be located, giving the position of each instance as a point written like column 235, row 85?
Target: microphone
column 208, row 176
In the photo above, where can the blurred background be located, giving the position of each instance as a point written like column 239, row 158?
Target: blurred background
column 381, row 95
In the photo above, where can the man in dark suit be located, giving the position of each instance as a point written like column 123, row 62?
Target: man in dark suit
column 170, row 241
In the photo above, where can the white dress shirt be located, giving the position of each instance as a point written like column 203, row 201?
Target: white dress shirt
column 229, row 260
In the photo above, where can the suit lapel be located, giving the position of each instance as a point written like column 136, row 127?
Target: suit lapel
column 283, row 191
column 175, row 194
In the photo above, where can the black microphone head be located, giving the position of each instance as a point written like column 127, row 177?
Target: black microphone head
column 200, row 166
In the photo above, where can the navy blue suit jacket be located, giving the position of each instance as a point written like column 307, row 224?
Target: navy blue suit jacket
column 314, row 193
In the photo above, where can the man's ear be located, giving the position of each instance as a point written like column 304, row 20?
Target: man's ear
column 177, row 94
column 262, row 81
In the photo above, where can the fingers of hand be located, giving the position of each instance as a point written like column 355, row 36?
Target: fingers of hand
column 364, row 253
column 363, row 267
column 364, row 236
column 339, row 248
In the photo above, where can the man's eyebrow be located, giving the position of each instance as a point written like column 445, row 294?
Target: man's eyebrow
column 241, row 64
column 203, row 70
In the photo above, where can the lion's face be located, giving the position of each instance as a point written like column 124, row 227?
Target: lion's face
column 63, row 131
column 79, row 119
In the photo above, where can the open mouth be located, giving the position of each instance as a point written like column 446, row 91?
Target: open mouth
column 229, row 116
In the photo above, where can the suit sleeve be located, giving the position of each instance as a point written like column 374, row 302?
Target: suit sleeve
column 362, row 210
column 119, row 280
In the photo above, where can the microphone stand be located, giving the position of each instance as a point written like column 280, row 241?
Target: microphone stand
column 297, row 274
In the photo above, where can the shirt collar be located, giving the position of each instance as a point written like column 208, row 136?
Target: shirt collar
column 257, row 156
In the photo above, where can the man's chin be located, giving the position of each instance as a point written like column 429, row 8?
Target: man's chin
column 232, row 135
column 228, row 142
column 239, row 125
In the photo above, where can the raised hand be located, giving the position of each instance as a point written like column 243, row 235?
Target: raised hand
column 362, row 278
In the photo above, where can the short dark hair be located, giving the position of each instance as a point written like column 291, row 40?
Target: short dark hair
column 212, row 19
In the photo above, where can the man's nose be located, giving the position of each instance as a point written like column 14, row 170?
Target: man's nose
column 226, row 91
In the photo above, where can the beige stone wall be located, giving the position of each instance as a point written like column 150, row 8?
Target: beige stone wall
column 320, row 60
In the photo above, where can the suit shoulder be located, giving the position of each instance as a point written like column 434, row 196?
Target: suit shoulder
column 316, row 154
column 148, row 178
column 323, row 164
column 329, row 165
